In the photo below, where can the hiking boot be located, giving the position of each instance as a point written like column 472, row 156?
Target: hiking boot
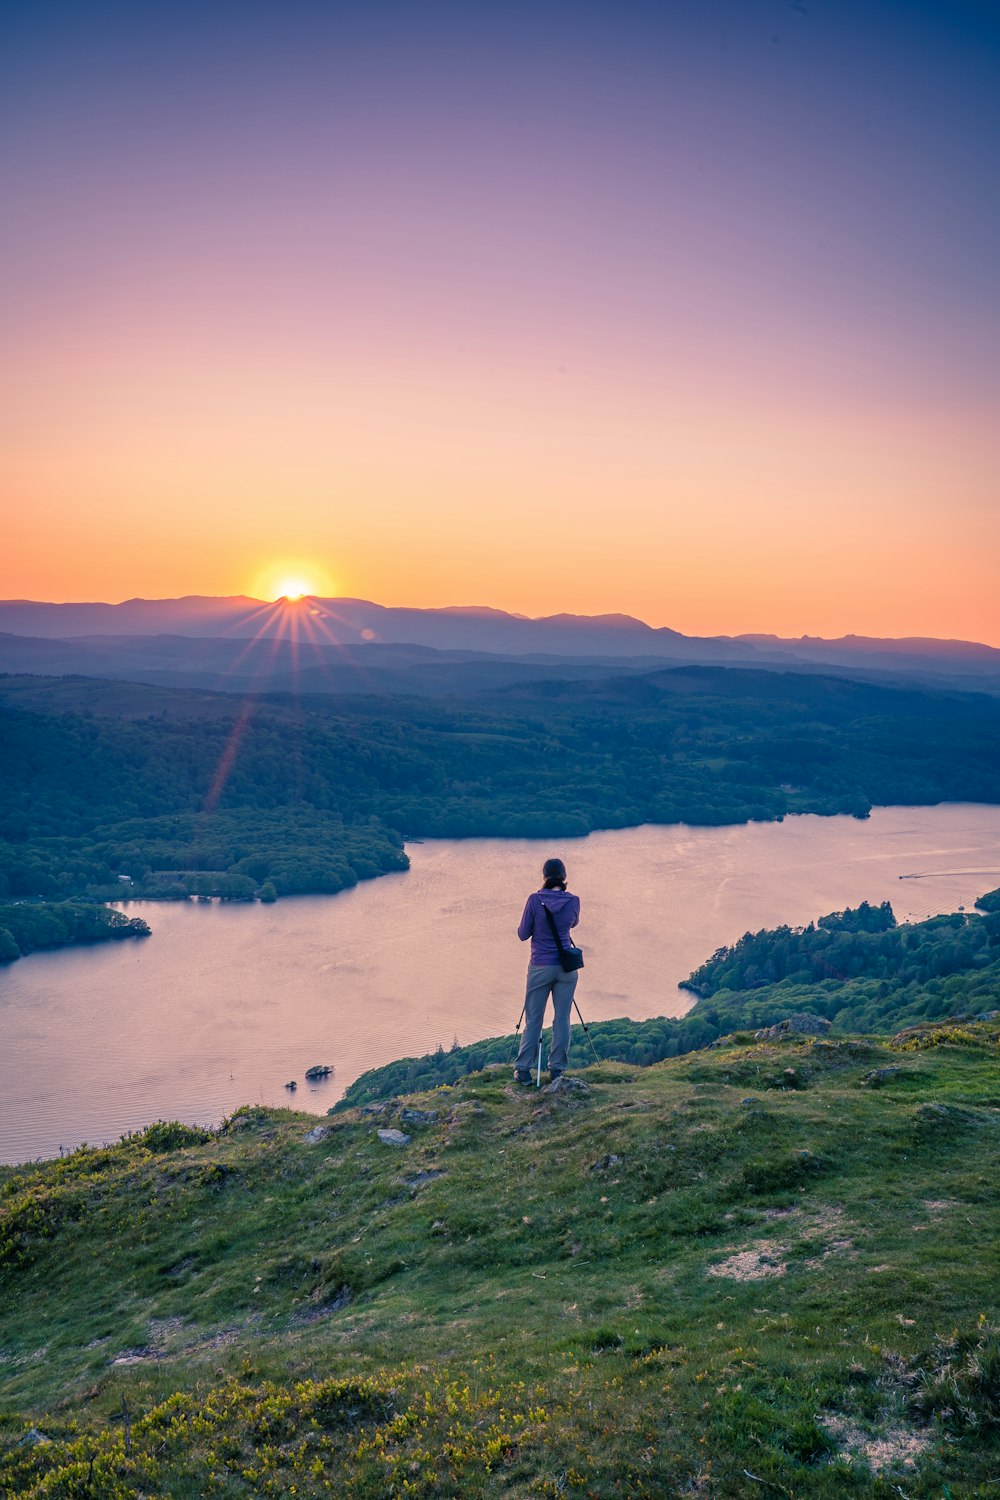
column 555, row 1073
column 522, row 1076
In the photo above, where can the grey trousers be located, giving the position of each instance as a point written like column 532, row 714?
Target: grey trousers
column 545, row 980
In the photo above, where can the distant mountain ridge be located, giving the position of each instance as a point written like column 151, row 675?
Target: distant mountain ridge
column 865, row 646
column 339, row 645
column 344, row 621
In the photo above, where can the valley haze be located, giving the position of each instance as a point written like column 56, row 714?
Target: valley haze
column 351, row 645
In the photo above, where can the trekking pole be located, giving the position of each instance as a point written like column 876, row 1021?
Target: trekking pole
column 586, row 1028
column 538, row 1079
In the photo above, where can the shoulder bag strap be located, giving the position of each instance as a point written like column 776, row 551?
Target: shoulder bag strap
column 555, row 931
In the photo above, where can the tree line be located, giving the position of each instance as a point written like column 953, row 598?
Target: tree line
column 26, row 928
column 861, row 943
column 209, row 796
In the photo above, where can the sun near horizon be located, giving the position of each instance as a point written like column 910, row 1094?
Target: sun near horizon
column 703, row 330
column 289, row 580
column 292, row 590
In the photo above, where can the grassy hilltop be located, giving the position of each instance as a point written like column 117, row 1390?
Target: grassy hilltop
column 762, row 1269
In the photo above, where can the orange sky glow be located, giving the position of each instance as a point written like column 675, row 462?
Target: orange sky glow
column 535, row 490
column 698, row 353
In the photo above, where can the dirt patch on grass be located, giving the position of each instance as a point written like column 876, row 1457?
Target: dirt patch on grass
column 835, row 1247
column 223, row 1340
column 753, row 1264
column 162, row 1331
column 891, row 1449
column 827, row 1230
column 340, row 1299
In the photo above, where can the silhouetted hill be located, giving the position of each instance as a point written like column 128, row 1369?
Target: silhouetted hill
column 969, row 657
column 274, row 665
column 356, row 621
column 351, row 645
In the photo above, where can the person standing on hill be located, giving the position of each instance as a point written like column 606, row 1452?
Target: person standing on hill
column 546, row 975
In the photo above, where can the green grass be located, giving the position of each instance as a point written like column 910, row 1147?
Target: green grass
column 540, row 1295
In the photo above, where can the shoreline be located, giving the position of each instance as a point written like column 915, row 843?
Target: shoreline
column 230, row 1004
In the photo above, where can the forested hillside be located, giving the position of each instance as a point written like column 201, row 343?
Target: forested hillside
column 861, row 943
column 192, row 791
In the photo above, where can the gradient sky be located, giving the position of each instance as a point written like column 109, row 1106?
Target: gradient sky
column 688, row 309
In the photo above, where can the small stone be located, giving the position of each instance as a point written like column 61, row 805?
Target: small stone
column 393, row 1138
column 373, row 1109
column 418, row 1116
column 606, row 1162
column 420, row 1178
column 318, row 1133
column 803, row 1025
column 567, row 1085
column 465, row 1109
column 33, row 1438
column 878, row 1076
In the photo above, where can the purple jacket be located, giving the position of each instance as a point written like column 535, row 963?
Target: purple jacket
column 565, row 908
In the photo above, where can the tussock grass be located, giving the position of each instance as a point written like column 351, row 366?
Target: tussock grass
column 685, row 1279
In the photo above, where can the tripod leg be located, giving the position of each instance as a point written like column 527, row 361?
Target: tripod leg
column 517, row 1033
column 586, row 1028
column 538, row 1080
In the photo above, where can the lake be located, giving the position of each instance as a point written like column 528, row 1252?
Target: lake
column 224, row 1004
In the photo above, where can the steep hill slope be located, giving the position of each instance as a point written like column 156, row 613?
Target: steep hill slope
column 762, row 1269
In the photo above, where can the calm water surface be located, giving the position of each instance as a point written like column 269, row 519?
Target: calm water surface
column 223, row 1004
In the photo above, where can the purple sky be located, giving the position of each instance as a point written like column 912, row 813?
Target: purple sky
column 699, row 299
